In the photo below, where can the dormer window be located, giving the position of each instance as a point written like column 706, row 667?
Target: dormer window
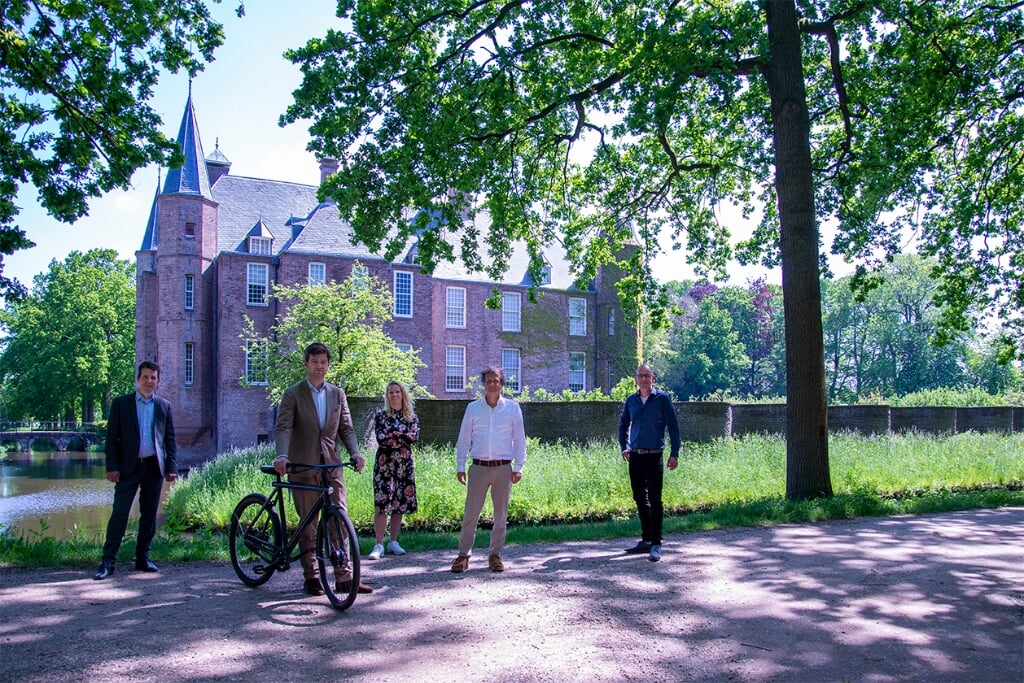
column 259, row 246
column 545, row 275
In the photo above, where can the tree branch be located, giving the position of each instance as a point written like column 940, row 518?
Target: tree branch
column 828, row 30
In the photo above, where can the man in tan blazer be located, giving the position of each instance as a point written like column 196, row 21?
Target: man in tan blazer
column 312, row 418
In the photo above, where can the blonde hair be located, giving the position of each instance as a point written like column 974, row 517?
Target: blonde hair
column 407, row 402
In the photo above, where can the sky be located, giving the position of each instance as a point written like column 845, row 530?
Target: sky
column 238, row 100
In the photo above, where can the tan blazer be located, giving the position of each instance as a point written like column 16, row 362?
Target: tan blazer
column 297, row 432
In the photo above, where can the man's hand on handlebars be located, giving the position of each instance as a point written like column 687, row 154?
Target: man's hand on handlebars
column 281, row 465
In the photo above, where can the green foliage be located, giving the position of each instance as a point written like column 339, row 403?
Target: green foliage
column 622, row 390
column 593, row 125
column 75, row 88
column 961, row 398
column 70, row 345
column 565, row 483
column 879, row 345
column 545, row 396
column 602, row 123
column 706, row 357
column 349, row 318
column 582, row 493
column 208, row 495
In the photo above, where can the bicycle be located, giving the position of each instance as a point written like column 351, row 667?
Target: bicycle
column 259, row 548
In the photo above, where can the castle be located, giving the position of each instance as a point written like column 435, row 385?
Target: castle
column 215, row 243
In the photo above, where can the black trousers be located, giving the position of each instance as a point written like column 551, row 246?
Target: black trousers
column 646, row 474
column 144, row 479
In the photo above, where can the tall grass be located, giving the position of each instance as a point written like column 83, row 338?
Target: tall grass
column 565, row 483
column 582, row 492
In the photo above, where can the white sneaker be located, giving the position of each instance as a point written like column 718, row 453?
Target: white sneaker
column 377, row 551
column 396, row 549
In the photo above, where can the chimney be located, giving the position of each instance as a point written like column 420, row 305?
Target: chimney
column 328, row 167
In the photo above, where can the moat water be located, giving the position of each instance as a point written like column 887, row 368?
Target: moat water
column 55, row 494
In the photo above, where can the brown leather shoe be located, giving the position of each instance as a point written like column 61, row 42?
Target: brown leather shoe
column 460, row 564
column 313, row 587
column 495, row 563
column 343, row 587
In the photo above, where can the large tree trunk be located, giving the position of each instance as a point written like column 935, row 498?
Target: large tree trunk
column 807, row 471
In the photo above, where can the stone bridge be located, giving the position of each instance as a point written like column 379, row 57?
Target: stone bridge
column 61, row 439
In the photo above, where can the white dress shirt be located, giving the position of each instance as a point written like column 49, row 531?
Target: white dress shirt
column 492, row 434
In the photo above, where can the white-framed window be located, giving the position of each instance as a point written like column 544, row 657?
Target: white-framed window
column 455, row 307
column 511, row 311
column 510, row 363
column 259, row 246
column 403, row 347
column 577, row 371
column 190, row 292
column 455, row 368
column 611, row 322
column 256, row 361
column 190, row 364
column 258, row 278
column 317, row 273
column 577, row 317
column 403, row 294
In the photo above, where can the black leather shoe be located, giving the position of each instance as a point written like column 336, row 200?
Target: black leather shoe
column 143, row 564
column 313, row 587
column 106, row 570
column 641, row 547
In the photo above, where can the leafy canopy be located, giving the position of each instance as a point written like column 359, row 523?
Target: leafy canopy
column 71, row 341
column 592, row 122
column 76, row 79
column 349, row 318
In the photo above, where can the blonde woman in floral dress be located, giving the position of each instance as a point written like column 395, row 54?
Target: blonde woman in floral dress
column 394, row 481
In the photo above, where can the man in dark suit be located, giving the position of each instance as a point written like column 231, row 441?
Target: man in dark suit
column 141, row 454
column 312, row 418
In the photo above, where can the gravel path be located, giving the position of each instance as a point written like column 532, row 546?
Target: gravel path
column 910, row 598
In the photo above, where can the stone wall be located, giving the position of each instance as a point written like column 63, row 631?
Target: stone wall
column 583, row 421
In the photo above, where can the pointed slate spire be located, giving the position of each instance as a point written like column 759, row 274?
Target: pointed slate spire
column 149, row 239
column 192, row 177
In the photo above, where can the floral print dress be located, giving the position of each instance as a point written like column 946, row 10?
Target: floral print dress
column 394, row 478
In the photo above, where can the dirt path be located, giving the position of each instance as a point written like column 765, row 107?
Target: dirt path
column 914, row 598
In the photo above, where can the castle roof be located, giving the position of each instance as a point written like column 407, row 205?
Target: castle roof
column 191, row 177
column 296, row 222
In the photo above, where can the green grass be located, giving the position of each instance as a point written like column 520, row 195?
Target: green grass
column 571, row 492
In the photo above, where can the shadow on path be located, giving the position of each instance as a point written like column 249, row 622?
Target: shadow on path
column 909, row 598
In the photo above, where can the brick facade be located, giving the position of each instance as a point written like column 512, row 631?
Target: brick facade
column 202, row 226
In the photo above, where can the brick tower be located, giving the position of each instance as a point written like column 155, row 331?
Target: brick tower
column 174, row 296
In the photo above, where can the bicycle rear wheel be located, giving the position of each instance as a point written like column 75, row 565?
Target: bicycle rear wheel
column 254, row 537
column 337, row 556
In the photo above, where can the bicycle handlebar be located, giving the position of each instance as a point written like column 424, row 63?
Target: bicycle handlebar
column 299, row 467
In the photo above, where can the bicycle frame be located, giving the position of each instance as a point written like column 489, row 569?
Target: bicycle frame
column 323, row 502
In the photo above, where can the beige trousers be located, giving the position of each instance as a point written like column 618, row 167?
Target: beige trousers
column 479, row 479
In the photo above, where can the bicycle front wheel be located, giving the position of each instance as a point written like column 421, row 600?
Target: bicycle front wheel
column 254, row 537
column 337, row 556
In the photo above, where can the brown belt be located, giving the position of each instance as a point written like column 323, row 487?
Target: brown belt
column 648, row 451
column 491, row 463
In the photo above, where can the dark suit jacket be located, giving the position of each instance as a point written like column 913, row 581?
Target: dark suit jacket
column 297, row 432
column 123, row 435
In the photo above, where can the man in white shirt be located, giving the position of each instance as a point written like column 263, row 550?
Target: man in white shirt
column 493, row 439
